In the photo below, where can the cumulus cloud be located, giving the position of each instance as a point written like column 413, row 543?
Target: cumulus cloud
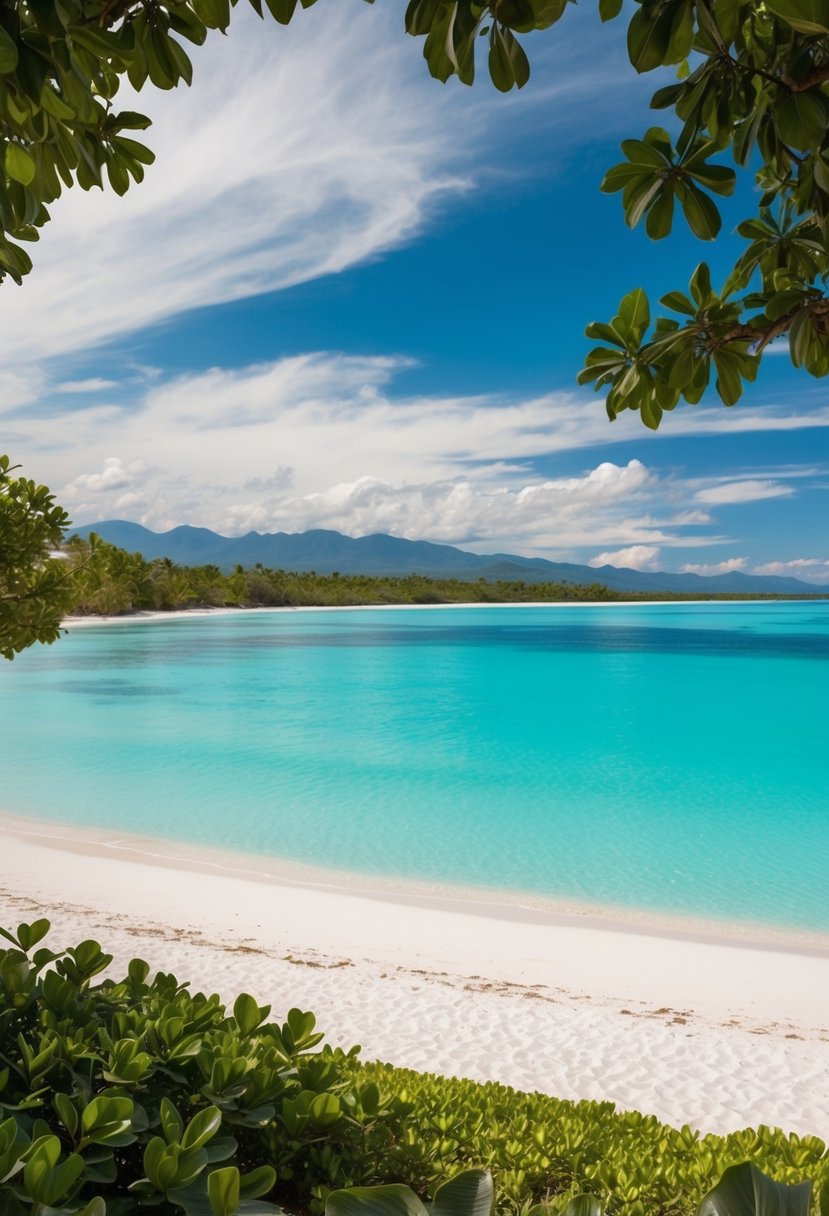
column 746, row 490
column 486, row 511
column 634, row 557
column 727, row 566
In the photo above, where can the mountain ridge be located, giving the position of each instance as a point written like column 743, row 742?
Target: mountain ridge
column 326, row 551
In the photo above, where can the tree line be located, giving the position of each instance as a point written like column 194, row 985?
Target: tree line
column 108, row 581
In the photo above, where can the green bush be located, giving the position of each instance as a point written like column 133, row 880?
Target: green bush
column 139, row 1091
column 538, row 1146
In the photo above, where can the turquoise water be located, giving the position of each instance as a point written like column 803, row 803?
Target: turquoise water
column 673, row 757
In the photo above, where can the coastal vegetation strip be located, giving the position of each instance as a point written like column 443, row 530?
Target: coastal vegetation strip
column 136, row 1091
column 106, row 580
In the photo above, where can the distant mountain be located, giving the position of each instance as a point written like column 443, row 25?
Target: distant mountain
column 326, row 551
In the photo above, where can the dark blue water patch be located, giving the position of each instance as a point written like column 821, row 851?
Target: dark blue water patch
column 629, row 639
column 113, row 688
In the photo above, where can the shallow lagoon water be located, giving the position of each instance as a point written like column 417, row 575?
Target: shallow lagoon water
column 672, row 757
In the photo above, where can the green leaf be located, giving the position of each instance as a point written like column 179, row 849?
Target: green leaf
column 639, row 200
column 646, row 154
column 651, row 412
column 744, row 1190
column 678, row 302
column 171, row 1122
column 635, row 311
column 805, row 16
column 469, row 1193
column 700, row 212
column 392, row 1200
column 508, row 63
column 325, row 1110
column 608, row 9
column 8, row 53
column 701, row 284
column 718, row 178
column 66, row 1113
column 20, row 166
column 223, row 1191
column 583, row 1205
column 282, row 10
column 649, row 38
column 257, row 1182
column 620, row 175
column 95, row 1207
column 661, row 214
column 215, row 14
column 801, row 333
column 420, row 16
column 201, row 1127
column 802, row 118
column 247, row 1013
column 30, row 935
column 729, row 383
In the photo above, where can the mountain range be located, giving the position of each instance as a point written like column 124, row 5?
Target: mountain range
column 325, row 551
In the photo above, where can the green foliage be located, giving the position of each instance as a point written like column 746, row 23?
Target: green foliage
column 743, row 1190
column 34, row 592
column 142, row 1093
column 754, row 83
column 542, row 1149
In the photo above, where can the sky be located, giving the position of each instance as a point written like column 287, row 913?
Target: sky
column 347, row 296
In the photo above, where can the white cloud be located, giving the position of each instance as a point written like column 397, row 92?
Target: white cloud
column 813, row 569
column 634, row 557
column 320, row 440
column 709, row 568
column 95, row 384
column 19, row 387
column 691, row 517
column 746, row 490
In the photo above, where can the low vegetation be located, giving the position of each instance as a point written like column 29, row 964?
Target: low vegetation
column 109, row 581
column 121, row 1095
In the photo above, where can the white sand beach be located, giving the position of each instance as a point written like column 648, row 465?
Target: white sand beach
column 713, row 1029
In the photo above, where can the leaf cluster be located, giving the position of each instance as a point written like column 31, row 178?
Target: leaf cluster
column 754, row 86
column 121, row 1096
column 34, row 589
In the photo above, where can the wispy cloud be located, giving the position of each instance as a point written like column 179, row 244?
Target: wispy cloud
column 95, row 384
column 272, row 173
column 746, row 490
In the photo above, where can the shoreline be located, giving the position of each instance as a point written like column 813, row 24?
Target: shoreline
column 487, row 902
column 718, row 1033
column 146, row 615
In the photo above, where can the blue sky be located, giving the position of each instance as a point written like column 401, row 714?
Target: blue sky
column 347, row 296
